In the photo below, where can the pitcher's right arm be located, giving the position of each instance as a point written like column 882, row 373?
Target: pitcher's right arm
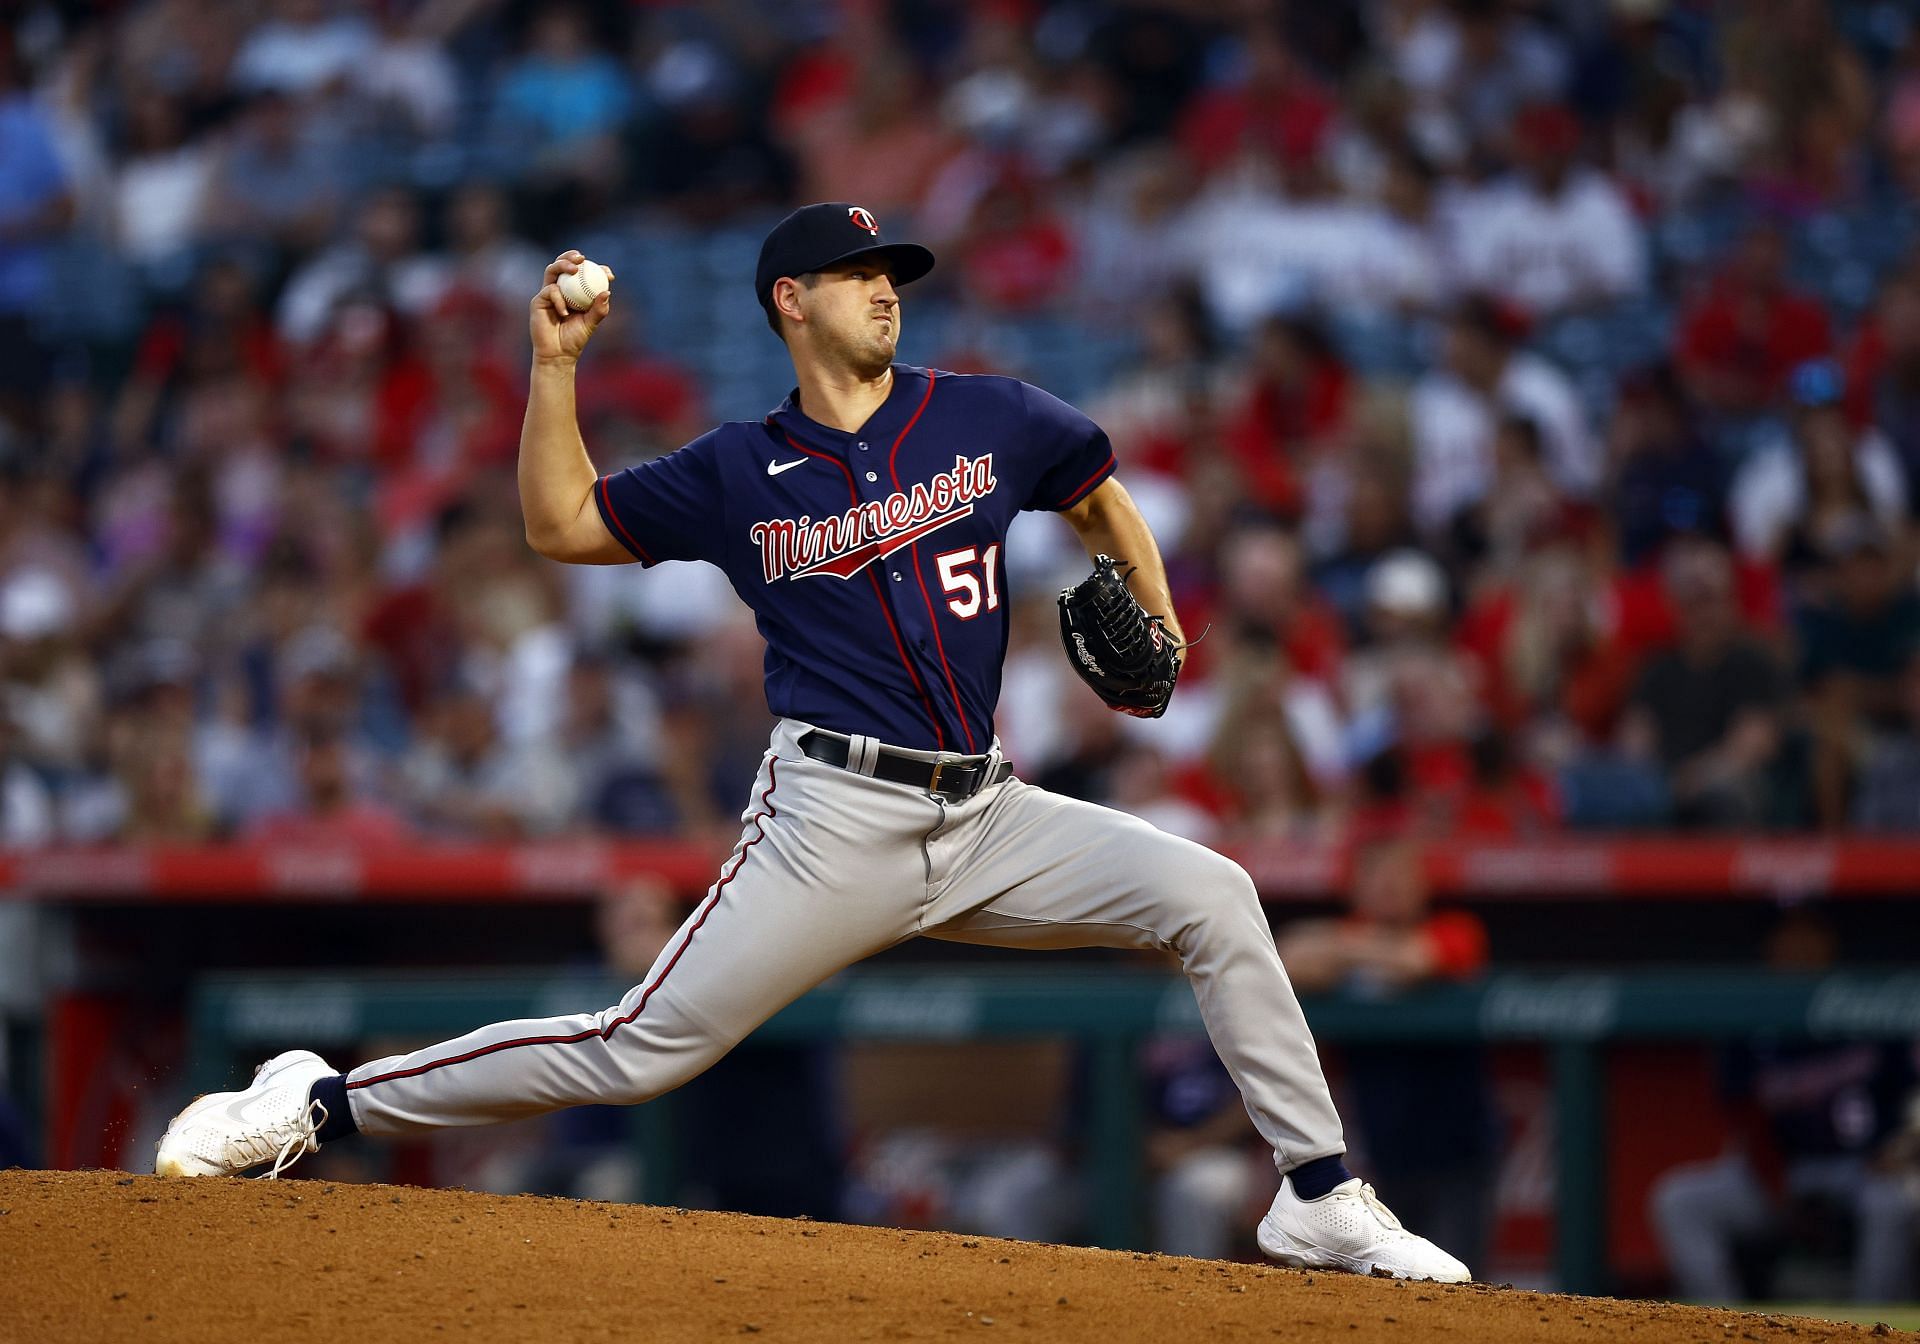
column 557, row 479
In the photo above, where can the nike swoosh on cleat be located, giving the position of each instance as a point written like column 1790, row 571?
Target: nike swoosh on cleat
column 775, row 468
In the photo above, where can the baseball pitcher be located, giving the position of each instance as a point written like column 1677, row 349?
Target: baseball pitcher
column 864, row 522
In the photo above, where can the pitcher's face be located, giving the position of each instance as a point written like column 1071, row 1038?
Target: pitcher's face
column 853, row 314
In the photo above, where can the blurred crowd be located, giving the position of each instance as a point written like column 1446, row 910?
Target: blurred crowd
column 1526, row 394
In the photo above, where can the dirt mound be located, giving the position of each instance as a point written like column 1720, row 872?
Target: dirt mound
column 99, row 1255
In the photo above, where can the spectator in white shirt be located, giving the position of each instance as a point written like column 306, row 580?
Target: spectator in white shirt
column 1256, row 252
column 406, row 80
column 1401, row 265
column 1252, row 244
column 461, row 778
column 1131, row 230
column 308, row 47
column 484, row 252
column 1470, row 63
column 160, row 194
column 383, row 265
column 1557, row 237
column 1457, row 409
column 26, row 806
column 1790, row 493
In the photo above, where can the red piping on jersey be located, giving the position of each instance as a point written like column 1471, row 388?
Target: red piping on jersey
column 939, row 644
column 880, row 594
column 913, row 420
column 1073, row 497
column 606, row 1033
column 607, row 498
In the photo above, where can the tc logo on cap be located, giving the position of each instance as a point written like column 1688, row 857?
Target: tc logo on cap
column 864, row 220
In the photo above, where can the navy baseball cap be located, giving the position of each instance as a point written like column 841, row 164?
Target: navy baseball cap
column 814, row 237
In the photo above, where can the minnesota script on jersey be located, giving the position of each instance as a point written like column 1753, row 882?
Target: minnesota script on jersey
column 888, row 538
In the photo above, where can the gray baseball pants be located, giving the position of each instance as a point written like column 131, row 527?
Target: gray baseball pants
column 833, row 866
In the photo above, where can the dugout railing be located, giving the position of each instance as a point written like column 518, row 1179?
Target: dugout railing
column 1574, row 1017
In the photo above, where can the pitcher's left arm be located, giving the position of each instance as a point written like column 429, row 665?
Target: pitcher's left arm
column 1109, row 523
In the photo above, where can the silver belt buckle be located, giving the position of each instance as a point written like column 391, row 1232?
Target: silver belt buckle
column 940, row 764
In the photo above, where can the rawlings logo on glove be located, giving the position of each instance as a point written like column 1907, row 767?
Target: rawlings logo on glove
column 1116, row 648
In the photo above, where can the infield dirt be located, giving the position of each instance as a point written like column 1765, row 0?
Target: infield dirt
column 99, row 1255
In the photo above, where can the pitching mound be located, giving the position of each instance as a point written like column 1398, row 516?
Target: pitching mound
column 99, row 1255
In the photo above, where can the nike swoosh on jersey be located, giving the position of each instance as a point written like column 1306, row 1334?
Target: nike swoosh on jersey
column 775, row 468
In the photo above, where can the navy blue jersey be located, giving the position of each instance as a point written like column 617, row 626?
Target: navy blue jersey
column 872, row 560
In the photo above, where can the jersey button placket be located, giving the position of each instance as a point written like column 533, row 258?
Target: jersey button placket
column 909, row 614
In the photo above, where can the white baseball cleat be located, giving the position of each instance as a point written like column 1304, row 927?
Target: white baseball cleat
column 271, row 1120
column 1350, row 1229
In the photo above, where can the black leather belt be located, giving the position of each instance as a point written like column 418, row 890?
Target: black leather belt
column 955, row 780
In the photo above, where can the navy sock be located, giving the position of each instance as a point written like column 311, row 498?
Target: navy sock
column 331, row 1092
column 1313, row 1179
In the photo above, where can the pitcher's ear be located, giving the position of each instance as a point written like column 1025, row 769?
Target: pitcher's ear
column 786, row 297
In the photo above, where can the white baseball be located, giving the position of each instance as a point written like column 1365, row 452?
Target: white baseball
column 580, row 288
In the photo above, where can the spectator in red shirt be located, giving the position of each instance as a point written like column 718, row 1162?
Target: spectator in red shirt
column 633, row 396
column 414, row 628
column 1504, row 797
column 1276, row 106
column 338, row 387
column 329, row 814
column 1550, row 654
column 1163, row 410
column 220, row 333
column 1017, row 256
column 1296, row 406
column 877, row 147
column 1264, row 587
column 455, row 406
column 1740, row 341
column 1883, row 370
column 1392, row 937
column 445, row 415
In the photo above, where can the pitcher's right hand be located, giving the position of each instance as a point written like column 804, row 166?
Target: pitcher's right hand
column 559, row 333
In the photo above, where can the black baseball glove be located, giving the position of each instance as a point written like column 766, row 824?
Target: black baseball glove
column 1123, row 653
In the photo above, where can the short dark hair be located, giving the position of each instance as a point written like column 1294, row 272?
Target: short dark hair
column 1526, row 432
column 1489, row 319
